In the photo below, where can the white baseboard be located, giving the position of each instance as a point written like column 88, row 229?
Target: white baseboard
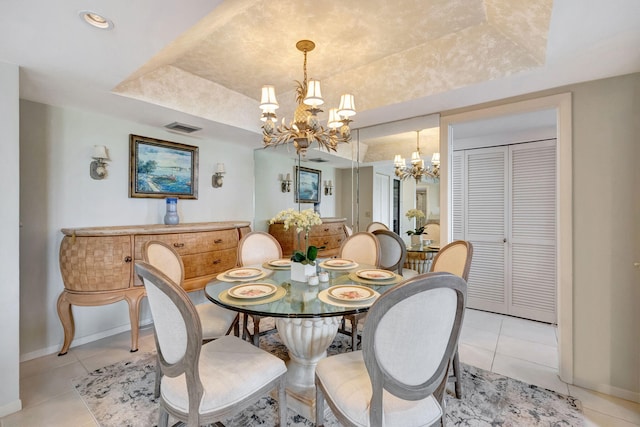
column 633, row 396
column 79, row 341
column 10, row 408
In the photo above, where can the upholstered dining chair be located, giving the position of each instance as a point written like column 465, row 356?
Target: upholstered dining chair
column 393, row 253
column 215, row 320
column 204, row 384
column 364, row 248
column 399, row 377
column 256, row 247
column 373, row 226
column 432, row 232
column 455, row 258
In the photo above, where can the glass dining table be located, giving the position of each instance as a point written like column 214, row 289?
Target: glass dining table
column 306, row 316
column 420, row 256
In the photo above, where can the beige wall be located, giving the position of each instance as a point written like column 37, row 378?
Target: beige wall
column 606, row 151
column 9, row 224
column 606, row 232
column 56, row 191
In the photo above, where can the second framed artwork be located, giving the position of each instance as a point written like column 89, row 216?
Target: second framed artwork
column 307, row 185
column 159, row 169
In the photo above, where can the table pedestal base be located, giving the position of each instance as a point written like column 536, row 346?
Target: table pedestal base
column 307, row 341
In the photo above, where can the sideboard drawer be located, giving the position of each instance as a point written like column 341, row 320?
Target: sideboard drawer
column 326, row 229
column 207, row 263
column 191, row 243
column 328, row 242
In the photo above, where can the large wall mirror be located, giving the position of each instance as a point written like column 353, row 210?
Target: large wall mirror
column 358, row 181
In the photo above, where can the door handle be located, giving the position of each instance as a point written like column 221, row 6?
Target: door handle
column 504, row 240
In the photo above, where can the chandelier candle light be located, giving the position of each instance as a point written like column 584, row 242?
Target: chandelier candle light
column 417, row 169
column 305, row 129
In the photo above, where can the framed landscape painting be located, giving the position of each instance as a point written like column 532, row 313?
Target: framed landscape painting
column 307, row 185
column 159, row 169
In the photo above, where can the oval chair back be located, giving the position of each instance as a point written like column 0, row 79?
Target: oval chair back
column 431, row 232
column 362, row 247
column 393, row 251
column 257, row 247
column 164, row 258
column 376, row 226
column 454, row 258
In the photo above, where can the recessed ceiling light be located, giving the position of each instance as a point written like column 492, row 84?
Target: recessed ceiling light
column 96, row 20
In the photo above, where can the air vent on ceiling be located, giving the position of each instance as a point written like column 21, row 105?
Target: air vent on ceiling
column 181, row 127
column 317, row 160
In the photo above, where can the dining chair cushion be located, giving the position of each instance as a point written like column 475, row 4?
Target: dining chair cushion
column 347, row 384
column 215, row 320
column 226, row 378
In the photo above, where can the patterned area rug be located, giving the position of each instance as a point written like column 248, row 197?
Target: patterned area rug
column 122, row 395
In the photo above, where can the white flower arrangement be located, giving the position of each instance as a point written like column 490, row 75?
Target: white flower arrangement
column 415, row 214
column 302, row 221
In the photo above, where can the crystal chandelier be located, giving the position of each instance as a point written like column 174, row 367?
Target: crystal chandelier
column 305, row 129
column 417, row 170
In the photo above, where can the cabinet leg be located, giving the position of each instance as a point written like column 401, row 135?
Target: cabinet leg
column 134, row 299
column 66, row 318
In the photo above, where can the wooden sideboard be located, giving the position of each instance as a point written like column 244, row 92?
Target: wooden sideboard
column 330, row 234
column 97, row 264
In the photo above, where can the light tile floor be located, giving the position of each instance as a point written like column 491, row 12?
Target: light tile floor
column 510, row 346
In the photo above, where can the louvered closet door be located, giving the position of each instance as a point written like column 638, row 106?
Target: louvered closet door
column 532, row 241
column 504, row 203
column 457, row 195
column 485, row 217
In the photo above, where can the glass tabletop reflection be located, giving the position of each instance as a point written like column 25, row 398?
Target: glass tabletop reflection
column 300, row 299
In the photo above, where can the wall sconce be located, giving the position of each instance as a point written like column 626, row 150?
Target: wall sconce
column 285, row 185
column 328, row 188
column 216, row 179
column 98, row 167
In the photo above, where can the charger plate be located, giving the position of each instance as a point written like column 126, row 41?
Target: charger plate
column 227, row 299
column 396, row 279
column 252, row 290
column 278, row 264
column 338, row 264
column 224, row 277
column 351, row 293
column 324, row 297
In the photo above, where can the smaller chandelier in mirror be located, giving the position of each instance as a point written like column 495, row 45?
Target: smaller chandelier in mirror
column 416, row 169
column 305, row 129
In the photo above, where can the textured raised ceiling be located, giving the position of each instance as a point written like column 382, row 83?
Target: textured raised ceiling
column 384, row 52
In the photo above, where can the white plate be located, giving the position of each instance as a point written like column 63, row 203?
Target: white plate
column 351, row 293
column 339, row 262
column 243, row 273
column 375, row 274
column 252, row 290
column 284, row 262
column 434, row 246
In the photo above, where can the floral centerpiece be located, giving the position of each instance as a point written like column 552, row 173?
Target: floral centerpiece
column 415, row 233
column 302, row 221
column 415, row 213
